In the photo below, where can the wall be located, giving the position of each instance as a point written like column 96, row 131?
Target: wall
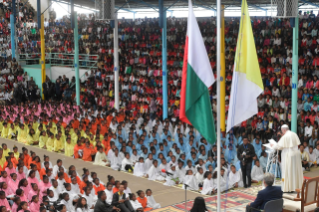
column 35, row 72
column 57, row 71
column 44, row 6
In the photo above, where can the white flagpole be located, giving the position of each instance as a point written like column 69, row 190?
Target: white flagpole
column 218, row 105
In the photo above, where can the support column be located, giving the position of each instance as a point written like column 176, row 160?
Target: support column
column 164, row 66
column 116, row 63
column 13, row 48
column 76, row 59
column 72, row 13
column 39, row 16
column 134, row 16
column 43, row 74
column 222, row 72
column 14, row 9
column 294, row 95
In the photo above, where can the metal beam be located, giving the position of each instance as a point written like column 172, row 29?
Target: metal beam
column 172, row 4
column 205, row 7
column 75, row 5
column 310, row 3
column 118, row 8
column 125, row 10
column 147, row 4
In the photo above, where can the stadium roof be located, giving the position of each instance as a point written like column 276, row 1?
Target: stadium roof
column 129, row 5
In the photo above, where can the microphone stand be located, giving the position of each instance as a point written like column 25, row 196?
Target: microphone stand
column 185, row 185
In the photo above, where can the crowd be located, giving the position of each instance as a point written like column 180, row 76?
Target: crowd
column 135, row 138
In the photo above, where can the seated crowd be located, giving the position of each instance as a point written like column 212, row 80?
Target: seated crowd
column 29, row 184
column 134, row 138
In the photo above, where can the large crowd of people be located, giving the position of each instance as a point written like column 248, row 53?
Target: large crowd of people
column 135, row 138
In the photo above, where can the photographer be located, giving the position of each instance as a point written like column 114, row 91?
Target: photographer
column 245, row 154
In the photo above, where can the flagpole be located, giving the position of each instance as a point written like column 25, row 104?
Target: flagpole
column 218, row 105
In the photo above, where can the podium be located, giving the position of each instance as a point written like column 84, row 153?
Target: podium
column 272, row 151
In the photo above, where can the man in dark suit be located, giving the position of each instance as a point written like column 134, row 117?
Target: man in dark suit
column 102, row 206
column 245, row 154
column 269, row 193
column 121, row 201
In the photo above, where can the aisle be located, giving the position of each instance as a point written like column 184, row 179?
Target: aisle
column 163, row 194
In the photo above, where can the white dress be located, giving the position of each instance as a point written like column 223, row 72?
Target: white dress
column 125, row 162
column 208, row 186
column 152, row 203
column 199, row 177
column 257, row 173
column 192, row 183
column 235, row 178
column 136, row 204
column 116, row 162
column 180, row 173
column 155, row 174
column 109, row 196
column 139, row 169
column 99, row 157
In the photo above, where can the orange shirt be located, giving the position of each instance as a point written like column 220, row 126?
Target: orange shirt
column 76, row 149
column 143, row 203
column 76, row 124
column 26, row 159
column 115, row 190
column 87, row 153
column 106, row 144
column 82, row 186
column 42, row 172
column 38, row 164
column 97, row 189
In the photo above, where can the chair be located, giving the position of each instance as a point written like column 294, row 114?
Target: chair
column 274, row 206
column 306, row 199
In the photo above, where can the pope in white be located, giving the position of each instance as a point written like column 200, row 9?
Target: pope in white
column 291, row 168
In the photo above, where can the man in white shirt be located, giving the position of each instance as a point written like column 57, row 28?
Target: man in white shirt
column 308, row 131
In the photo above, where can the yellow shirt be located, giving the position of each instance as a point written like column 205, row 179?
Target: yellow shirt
column 16, row 155
column 50, row 144
column 58, row 145
column 6, row 152
column 30, row 139
column 22, row 135
column 14, row 131
column 43, row 141
column 69, row 149
column 4, row 132
column 2, row 160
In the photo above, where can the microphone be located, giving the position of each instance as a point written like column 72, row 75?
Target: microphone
column 166, row 172
column 186, row 185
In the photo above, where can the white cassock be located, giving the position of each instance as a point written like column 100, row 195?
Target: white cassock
column 165, row 167
column 139, row 169
column 152, row 203
column 235, row 178
column 316, row 151
column 148, row 164
column 312, row 158
column 257, row 173
column 116, row 162
column 224, row 185
column 291, row 168
column 199, row 177
column 125, row 162
column 75, row 188
column 180, row 173
column 169, row 178
column 208, row 186
column 191, row 181
column 154, row 173
column 136, row 204
column 99, row 157
column 90, row 200
column 109, row 196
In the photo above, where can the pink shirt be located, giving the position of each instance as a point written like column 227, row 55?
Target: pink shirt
column 7, row 179
column 19, row 78
column 32, row 193
column 10, row 171
column 33, row 180
column 44, row 186
column 34, row 207
column 20, row 176
column 14, row 207
column 4, row 202
column 14, row 185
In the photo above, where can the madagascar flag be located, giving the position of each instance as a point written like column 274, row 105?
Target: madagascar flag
column 197, row 77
